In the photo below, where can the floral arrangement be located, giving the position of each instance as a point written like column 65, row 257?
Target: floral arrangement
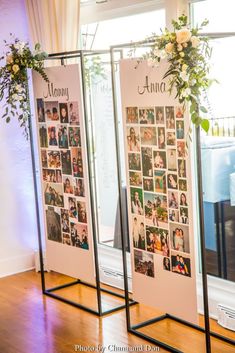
column 14, row 80
column 188, row 54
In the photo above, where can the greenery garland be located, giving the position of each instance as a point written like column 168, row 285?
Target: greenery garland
column 14, row 80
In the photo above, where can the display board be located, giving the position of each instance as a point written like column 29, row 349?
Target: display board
column 64, row 175
column 159, row 191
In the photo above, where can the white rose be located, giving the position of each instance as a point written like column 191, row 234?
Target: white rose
column 19, row 88
column 182, row 54
column 184, row 76
column 169, row 48
column 179, row 47
column 186, row 92
column 195, row 41
column 193, row 82
column 183, row 36
column 184, row 67
column 15, row 97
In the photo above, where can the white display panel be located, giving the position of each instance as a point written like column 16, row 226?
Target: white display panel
column 159, row 191
column 64, row 175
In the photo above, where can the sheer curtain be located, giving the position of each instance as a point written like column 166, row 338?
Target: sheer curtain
column 54, row 24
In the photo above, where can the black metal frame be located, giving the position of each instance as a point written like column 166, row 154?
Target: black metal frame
column 134, row 328
column 78, row 54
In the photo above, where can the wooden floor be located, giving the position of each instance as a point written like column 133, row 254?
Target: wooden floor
column 32, row 323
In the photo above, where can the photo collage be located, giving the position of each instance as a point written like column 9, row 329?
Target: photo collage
column 63, row 172
column 159, row 202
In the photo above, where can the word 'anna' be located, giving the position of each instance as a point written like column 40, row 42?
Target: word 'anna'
column 152, row 87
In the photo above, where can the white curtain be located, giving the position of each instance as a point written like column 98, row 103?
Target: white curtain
column 54, row 24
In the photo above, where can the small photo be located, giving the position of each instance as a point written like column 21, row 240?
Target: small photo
column 68, row 184
column 157, row 241
column 65, row 220
column 135, row 179
column 66, row 239
column 170, row 138
column 79, row 188
column 63, row 137
column 180, row 129
column 73, row 212
column 136, row 201
column 174, row 215
column 182, row 185
column 79, row 235
column 166, row 263
column 184, row 215
column 181, row 264
column 147, row 161
column 44, row 158
column 179, row 112
column 52, row 111
column 66, row 162
column 144, row 263
column 182, row 168
column 64, row 116
column 138, row 232
column 160, row 115
column 171, row 160
column 43, row 136
column 53, row 225
column 155, row 209
column 53, row 194
column 74, row 137
column 148, row 184
column 54, row 160
column 73, row 113
column 132, row 115
column 159, row 158
column 179, row 235
column 172, row 181
column 134, row 161
column 160, row 181
column 161, row 138
column 133, row 139
column 170, row 118
column 181, row 149
column 173, row 199
column 77, row 162
column 183, row 199
column 148, row 136
column 146, row 116
column 52, row 138
column 40, row 110
column 52, row 175
column 82, row 214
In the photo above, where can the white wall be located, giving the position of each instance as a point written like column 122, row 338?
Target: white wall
column 18, row 234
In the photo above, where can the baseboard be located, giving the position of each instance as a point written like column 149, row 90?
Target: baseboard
column 17, row 264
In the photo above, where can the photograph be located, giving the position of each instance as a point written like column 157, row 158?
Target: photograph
column 138, row 232
column 179, row 112
column 73, row 212
column 68, row 184
column 44, row 158
column 53, row 224
column 171, row 160
column 155, row 209
column 74, row 137
column 66, row 162
column 180, row 264
column 147, row 161
column 160, row 181
column 40, row 110
column 133, row 139
column 53, row 194
column 148, row 135
column 170, row 118
column 65, row 220
column 66, row 239
column 148, row 184
column 161, row 138
column 136, row 201
column 182, row 168
column 73, row 113
column 52, row 111
column 132, row 115
column 146, row 116
column 160, row 115
column 179, row 130
column 64, row 117
column 53, row 159
column 181, row 149
column 63, row 137
column 77, row 163
column 157, row 240
column 173, row 199
column 172, row 181
column 170, row 138
column 79, row 188
column 159, row 158
column 166, row 263
column 52, row 175
column 144, row 263
column 183, row 185
column 79, row 235
column 174, row 215
column 135, row 179
column 134, row 161
column 43, row 135
column 184, row 215
column 179, row 235
column 82, row 213
column 183, row 199
column 52, row 136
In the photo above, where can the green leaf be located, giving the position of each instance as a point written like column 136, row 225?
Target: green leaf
column 37, row 46
column 8, row 119
column 203, row 109
column 205, row 124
